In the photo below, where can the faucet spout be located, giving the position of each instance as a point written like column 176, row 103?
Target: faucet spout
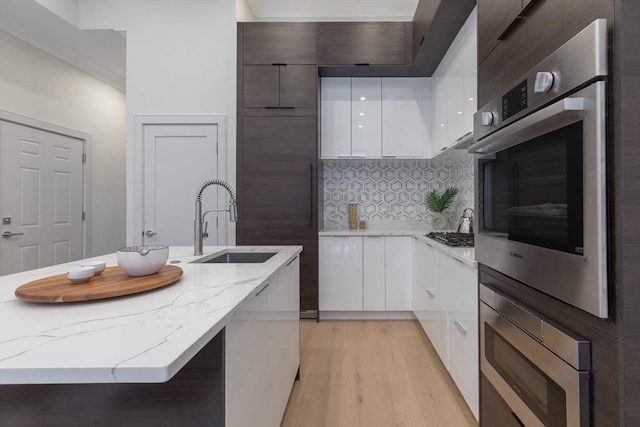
column 198, row 233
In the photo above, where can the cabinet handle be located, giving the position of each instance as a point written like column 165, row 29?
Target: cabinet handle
column 421, row 40
column 460, row 327
column 430, row 293
column 280, row 108
column 263, row 289
column 389, row 157
column 310, row 194
column 279, row 64
column 287, row 108
column 361, row 64
column 443, row 148
column 464, row 136
column 289, row 263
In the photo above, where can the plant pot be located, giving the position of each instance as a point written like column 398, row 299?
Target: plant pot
column 439, row 221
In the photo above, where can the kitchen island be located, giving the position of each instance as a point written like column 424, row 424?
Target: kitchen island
column 167, row 356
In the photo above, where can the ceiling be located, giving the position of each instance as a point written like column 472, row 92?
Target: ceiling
column 102, row 53
column 333, row 10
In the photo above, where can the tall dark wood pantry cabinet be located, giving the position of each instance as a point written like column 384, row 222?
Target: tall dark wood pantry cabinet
column 277, row 157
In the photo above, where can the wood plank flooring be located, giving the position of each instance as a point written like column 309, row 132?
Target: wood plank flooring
column 372, row 373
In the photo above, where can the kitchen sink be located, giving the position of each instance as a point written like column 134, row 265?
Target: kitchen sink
column 236, row 258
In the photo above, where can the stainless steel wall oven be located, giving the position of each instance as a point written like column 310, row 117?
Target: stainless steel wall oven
column 533, row 372
column 542, row 205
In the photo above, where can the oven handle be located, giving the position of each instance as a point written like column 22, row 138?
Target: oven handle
column 556, row 115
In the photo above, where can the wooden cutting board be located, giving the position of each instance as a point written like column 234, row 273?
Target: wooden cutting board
column 113, row 282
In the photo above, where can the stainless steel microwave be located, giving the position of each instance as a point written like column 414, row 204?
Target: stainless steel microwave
column 541, row 181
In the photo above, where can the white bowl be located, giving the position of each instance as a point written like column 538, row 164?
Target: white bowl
column 142, row 260
column 80, row 274
column 99, row 266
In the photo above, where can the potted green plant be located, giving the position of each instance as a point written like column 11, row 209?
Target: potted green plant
column 438, row 203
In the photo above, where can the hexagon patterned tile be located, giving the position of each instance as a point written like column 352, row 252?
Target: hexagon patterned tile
column 395, row 189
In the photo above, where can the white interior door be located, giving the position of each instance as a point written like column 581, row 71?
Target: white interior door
column 41, row 198
column 178, row 158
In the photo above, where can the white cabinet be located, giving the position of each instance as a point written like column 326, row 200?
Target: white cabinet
column 463, row 339
column 445, row 302
column 366, row 109
column 398, row 273
column 257, row 388
column 372, row 117
column 430, row 313
column 340, row 273
column 402, row 117
column 454, row 89
column 374, row 273
column 428, row 111
column 335, row 113
column 371, row 273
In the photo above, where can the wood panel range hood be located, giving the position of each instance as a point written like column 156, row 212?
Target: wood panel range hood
column 434, row 26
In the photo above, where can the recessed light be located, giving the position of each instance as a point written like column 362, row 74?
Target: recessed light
column 471, row 99
column 362, row 114
column 459, row 112
column 362, row 98
column 359, row 126
column 441, row 124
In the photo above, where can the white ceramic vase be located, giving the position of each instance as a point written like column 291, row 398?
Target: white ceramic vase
column 439, row 221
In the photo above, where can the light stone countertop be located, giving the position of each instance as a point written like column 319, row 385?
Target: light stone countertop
column 465, row 255
column 140, row 338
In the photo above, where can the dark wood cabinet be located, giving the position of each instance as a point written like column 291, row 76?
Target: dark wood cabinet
column 279, row 43
column 494, row 17
column 615, row 378
column 277, row 152
column 366, row 43
column 279, row 86
column 548, row 24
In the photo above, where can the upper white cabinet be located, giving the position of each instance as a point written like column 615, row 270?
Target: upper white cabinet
column 402, row 117
column 335, row 110
column 454, row 99
column 371, row 117
column 366, row 107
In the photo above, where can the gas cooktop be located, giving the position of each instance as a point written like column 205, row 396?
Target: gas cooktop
column 464, row 240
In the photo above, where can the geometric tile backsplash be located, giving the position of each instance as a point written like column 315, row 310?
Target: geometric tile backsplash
column 394, row 189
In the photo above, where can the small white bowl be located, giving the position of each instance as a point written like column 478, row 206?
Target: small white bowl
column 99, row 266
column 80, row 274
column 142, row 260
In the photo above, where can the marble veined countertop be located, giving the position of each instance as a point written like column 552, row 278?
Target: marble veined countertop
column 466, row 255
column 140, row 338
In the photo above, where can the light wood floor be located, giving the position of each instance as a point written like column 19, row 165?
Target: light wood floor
column 372, row 373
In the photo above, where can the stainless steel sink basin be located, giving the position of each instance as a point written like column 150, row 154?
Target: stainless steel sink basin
column 236, row 258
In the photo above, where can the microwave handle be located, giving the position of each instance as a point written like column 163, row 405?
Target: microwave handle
column 561, row 113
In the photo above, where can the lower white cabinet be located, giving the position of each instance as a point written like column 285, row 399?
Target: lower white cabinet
column 445, row 298
column 371, row 273
column 398, row 273
column 374, row 283
column 340, row 273
column 262, row 352
column 463, row 338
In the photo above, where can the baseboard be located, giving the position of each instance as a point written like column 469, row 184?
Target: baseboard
column 366, row 315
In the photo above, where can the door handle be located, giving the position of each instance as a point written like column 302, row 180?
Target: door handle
column 8, row 234
column 149, row 233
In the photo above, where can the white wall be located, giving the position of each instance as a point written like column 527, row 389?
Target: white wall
column 38, row 85
column 181, row 59
column 244, row 12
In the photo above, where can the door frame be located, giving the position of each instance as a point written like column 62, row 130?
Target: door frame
column 135, row 163
column 85, row 139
